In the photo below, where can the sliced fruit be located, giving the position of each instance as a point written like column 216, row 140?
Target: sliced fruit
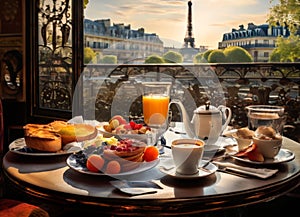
column 255, row 155
column 107, row 128
column 245, row 152
column 151, row 153
column 95, row 163
column 113, row 167
column 116, row 121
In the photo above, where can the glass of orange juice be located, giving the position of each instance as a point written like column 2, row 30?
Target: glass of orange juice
column 156, row 98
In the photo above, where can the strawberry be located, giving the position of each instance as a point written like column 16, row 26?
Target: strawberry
column 135, row 126
column 132, row 124
column 138, row 126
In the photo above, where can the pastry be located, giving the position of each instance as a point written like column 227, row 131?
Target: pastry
column 77, row 133
column 43, row 140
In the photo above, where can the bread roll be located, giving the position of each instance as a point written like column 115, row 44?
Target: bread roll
column 43, row 140
column 77, row 133
column 245, row 133
column 265, row 132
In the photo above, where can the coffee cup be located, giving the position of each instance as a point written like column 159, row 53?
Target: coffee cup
column 187, row 154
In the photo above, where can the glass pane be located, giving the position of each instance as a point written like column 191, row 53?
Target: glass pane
column 55, row 54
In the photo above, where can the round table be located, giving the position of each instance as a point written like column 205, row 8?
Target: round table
column 50, row 179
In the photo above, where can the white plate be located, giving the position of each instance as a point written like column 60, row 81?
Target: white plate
column 284, row 155
column 201, row 173
column 18, row 146
column 148, row 138
column 144, row 166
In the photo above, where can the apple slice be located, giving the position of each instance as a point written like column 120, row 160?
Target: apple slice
column 255, row 155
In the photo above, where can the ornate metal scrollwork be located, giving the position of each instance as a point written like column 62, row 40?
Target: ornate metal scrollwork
column 55, row 54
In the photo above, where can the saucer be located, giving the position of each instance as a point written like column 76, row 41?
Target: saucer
column 209, row 169
column 283, row 156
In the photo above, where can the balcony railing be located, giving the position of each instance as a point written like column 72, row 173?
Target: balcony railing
column 260, row 45
column 242, row 84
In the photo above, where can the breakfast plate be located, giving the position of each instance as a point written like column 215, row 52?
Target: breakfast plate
column 149, row 138
column 284, row 155
column 18, row 146
column 143, row 166
column 209, row 169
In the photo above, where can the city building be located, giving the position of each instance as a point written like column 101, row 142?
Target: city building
column 120, row 40
column 258, row 40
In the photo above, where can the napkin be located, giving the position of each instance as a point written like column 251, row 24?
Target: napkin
column 79, row 119
column 73, row 146
column 258, row 172
column 134, row 188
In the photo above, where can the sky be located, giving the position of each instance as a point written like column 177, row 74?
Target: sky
column 168, row 18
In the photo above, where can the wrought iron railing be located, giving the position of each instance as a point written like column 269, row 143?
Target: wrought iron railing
column 242, row 85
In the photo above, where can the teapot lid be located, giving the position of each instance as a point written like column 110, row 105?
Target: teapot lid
column 207, row 109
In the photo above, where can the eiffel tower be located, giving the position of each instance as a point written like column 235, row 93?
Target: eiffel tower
column 189, row 39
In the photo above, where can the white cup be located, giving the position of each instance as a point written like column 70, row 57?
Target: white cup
column 268, row 148
column 187, row 154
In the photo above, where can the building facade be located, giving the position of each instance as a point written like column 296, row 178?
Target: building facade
column 130, row 46
column 258, row 40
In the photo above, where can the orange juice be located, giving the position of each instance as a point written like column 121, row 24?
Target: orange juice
column 155, row 109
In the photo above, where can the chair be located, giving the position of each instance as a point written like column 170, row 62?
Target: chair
column 9, row 207
column 1, row 130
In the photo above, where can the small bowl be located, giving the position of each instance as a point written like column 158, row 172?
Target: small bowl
column 241, row 142
column 268, row 148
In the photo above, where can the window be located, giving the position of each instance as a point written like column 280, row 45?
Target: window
column 56, row 41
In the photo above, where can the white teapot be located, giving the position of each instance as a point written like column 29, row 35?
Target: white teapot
column 207, row 122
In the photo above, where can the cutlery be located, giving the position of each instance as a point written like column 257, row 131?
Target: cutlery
column 225, row 170
column 136, row 187
column 258, row 172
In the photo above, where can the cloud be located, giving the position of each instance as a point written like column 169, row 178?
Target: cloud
column 168, row 18
column 234, row 3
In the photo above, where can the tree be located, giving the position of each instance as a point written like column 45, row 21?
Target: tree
column 173, row 57
column 286, row 13
column 275, row 56
column 109, row 59
column 85, row 2
column 89, row 55
column 287, row 49
column 206, row 54
column 154, row 59
column 217, row 56
column 198, row 58
column 202, row 57
column 235, row 54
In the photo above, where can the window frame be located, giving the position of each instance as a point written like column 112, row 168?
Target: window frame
column 32, row 38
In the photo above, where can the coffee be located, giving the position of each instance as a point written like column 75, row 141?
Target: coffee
column 187, row 154
column 188, row 146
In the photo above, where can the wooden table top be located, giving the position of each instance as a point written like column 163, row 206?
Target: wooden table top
column 51, row 179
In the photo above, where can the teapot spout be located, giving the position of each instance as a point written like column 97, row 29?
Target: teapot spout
column 189, row 128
